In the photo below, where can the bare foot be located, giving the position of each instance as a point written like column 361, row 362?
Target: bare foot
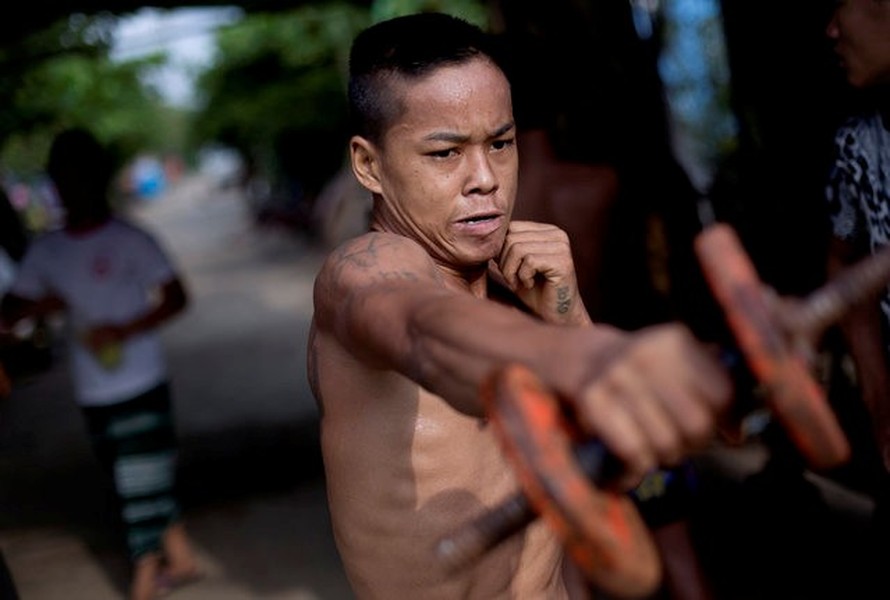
column 144, row 585
column 179, row 555
column 166, row 583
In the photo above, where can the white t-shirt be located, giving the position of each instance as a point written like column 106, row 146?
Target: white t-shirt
column 104, row 276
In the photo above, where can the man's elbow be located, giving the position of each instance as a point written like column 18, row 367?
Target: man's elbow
column 175, row 297
column 181, row 297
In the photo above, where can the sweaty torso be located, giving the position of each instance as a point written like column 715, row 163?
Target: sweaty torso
column 403, row 470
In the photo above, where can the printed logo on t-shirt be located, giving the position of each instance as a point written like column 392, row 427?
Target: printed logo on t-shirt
column 101, row 267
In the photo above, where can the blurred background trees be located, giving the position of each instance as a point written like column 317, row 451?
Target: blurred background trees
column 274, row 95
column 63, row 76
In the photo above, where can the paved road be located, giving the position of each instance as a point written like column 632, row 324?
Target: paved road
column 253, row 486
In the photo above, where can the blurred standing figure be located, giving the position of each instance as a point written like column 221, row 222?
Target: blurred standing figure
column 12, row 245
column 12, row 238
column 13, row 235
column 576, row 195
column 858, row 193
column 116, row 286
column 7, row 585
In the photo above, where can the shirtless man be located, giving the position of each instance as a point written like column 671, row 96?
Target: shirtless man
column 409, row 322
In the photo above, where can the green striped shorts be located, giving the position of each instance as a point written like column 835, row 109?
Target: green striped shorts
column 136, row 444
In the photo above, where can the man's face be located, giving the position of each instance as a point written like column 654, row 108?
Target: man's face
column 447, row 166
column 861, row 32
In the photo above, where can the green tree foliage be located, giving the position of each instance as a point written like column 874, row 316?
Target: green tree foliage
column 63, row 77
column 474, row 11
column 277, row 92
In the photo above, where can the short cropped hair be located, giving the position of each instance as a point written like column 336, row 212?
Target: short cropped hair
column 77, row 150
column 82, row 169
column 407, row 47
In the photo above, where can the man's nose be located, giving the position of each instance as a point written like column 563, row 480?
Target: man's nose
column 481, row 177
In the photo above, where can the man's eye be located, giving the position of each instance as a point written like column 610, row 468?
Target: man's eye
column 502, row 144
column 443, row 153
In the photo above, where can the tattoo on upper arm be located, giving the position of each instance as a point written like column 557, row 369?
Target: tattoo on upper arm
column 360, row 267
column 395, row 276
column 366, row 259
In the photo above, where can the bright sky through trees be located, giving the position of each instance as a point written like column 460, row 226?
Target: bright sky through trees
column 185, row 34
column 695, row 72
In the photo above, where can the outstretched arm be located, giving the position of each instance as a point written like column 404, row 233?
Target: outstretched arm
column 862, row 331
column 387, row 303
column 650, row 396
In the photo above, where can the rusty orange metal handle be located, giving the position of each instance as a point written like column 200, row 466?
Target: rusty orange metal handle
column 794, row 397
column 602, row 530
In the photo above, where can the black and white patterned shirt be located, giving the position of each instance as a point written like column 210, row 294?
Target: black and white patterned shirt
column 858, row 189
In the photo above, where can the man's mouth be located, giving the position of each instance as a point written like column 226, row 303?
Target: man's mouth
column 479, row 218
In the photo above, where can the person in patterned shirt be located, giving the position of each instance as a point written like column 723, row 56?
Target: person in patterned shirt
column 858, row 193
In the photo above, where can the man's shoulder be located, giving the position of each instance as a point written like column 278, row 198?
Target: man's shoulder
column 377, row 239
column 376, row 248
column 375, row 258
column 861, row 123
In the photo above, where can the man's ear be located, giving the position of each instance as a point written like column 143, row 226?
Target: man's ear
column 363, row 155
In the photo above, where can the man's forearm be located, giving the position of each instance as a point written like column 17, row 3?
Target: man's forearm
column 451, row 343
column 173, row 301
column 862, row 331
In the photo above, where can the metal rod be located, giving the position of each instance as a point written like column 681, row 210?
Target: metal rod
column 514, row 513
column 828, row 304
